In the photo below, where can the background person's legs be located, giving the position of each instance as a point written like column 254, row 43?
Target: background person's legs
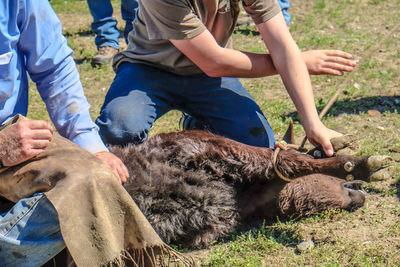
column 128, row 12
column 105, row 28
column 104, row 25
column 30, row 233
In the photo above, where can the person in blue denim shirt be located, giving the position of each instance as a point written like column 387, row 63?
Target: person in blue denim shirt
column 31, row 42
column 105, row 27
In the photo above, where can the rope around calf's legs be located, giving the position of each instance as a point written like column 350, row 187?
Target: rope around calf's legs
column 282, row 145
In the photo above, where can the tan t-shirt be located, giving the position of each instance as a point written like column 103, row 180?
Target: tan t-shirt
column 158, row 21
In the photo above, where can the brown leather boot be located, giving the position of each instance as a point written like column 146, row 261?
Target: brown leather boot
column 104, row 55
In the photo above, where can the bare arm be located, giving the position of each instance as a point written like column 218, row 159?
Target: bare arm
column 290, row 65
column 216, row 61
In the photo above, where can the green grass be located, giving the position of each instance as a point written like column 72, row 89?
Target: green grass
column 248, row 249
column 367, row 237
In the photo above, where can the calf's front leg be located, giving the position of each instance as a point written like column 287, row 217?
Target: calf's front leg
column 292, row 164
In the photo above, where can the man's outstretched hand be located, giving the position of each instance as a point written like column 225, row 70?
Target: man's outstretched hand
column 23, row 140
column 330, row 62
column 115, row 164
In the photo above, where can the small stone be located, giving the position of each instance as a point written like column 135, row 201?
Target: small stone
column 380, row 128
column 357, row 86
column 305, row 246
column 374, row 113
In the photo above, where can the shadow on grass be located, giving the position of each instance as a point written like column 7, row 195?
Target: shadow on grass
column 397, row 188
column 79, row 61
column 80, row 33
column 380, row 103
column 87, row 33
column 246, row 31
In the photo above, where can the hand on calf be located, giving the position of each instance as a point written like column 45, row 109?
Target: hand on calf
column 115, row 164
column 319, row 134
column 23, row 140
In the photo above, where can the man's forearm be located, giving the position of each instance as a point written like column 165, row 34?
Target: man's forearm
column 216, row 61
column 297, row 82
column 233, row 63
column 289, row 63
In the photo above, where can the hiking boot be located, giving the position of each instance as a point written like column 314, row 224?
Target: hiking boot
column 187, row 122
column 104, row 55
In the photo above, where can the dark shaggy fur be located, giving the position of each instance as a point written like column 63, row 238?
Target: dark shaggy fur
column 195, row 187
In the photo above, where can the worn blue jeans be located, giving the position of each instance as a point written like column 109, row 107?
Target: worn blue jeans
column 284, row 4
column 140, row 94
column 105, row 26
column 29, row 233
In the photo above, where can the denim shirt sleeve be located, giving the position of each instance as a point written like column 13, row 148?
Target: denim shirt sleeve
column 52, row 68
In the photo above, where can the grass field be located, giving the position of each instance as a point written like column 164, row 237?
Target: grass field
column 369, row 236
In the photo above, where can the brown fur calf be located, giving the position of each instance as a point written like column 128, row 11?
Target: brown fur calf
column 195, row 187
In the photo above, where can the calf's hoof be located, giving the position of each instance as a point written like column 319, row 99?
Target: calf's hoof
column 376, row 163
column 343, row 145
column 368, row 168
column 382, row 174
column 379, row 169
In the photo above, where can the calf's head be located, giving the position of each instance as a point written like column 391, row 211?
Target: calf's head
column 317, row 192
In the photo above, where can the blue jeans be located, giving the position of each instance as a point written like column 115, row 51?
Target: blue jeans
column 284, row 4
column 140, row 94
column 105, row 26
column 30, row 233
